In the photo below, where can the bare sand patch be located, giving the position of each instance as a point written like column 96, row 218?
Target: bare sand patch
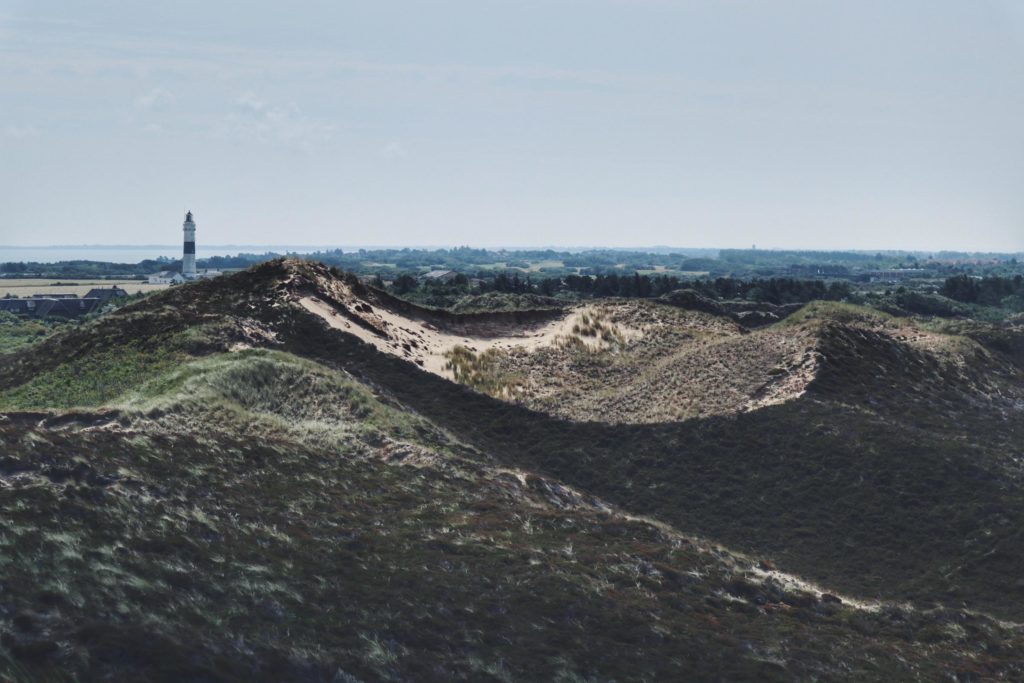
column 427, row 344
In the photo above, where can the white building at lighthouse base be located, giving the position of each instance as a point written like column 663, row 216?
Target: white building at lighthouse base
column 171, row 277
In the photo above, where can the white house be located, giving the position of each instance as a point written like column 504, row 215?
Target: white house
column 166, row 277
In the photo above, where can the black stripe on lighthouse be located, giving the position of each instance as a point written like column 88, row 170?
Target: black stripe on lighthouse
column 190, row 247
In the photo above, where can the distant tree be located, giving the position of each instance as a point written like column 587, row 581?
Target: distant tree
column 838, row 291
column 961, row 288
column 404, row 283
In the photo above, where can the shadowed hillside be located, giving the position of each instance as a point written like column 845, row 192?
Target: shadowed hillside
column 908, row 496
column 244, row 489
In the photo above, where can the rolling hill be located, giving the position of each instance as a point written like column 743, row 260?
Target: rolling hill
column 276, row 476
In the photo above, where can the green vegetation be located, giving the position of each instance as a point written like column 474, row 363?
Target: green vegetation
column 94, row 380
column 228, row 560
column 990, row 291
column 266, row 393
column 278, row 556
column 245, row 494
column 498, row 301
column 460, row 299
column 17, row 333
column 890, row 498
column 835, row 311
column 494, row 266
column 907, row 302
column 991, row 298
column 105, row 363
column 787, row 479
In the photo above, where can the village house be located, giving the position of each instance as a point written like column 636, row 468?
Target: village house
column 61, row 305
column 439, row 276
column 106, row 293
column 40, row 307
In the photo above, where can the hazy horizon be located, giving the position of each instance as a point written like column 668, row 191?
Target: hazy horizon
column 134, row 253
column 795, row 125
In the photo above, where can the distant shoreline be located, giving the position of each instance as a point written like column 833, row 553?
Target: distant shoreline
column 132, row 254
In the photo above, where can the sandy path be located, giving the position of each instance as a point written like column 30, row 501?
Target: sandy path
column 424, row 344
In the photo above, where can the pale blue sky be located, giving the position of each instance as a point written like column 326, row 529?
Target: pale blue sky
column 867, row 124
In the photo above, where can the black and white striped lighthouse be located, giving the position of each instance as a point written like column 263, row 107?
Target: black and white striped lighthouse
column 188, row 260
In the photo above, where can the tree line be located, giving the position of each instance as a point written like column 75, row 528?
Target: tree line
column 986, row 291
column 770, row 290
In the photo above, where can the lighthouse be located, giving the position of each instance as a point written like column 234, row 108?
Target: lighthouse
column 188, row 259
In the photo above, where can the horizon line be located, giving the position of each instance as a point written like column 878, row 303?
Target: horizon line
column 514, row 248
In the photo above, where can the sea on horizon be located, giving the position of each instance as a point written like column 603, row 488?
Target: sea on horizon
column 136, row 253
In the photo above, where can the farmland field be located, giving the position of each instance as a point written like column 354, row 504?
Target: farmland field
column 29, row 286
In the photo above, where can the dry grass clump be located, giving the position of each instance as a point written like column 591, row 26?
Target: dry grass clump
column 481, row 372
column 595, row 325
column 572, row 343
column 594, row 331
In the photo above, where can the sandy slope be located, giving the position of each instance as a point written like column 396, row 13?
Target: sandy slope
column 659, row 363
column 647, row 362
column 426, row 344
